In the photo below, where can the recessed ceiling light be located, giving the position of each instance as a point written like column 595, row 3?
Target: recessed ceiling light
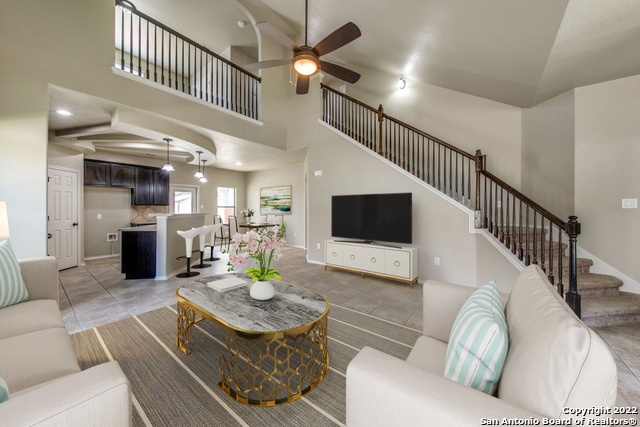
column 269, row 155
column 241, row 24
column 238, row 163
column 64, row 113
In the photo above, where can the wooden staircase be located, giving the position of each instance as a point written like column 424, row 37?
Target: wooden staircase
column 602, row 302
column 533, row 234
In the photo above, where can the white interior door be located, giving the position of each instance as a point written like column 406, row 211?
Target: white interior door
column 62, row 212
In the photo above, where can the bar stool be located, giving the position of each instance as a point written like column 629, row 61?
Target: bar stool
column 202, row 234
column 215, row 228
column 188, row 236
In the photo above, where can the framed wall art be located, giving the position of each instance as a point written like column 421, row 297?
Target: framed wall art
column 275, row 200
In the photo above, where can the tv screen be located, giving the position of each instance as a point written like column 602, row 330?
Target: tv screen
column 380, row 217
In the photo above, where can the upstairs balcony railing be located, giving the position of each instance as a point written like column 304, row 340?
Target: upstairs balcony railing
column 529, row 231
column 153, row 51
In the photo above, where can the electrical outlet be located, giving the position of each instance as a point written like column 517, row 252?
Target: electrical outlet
column 318, row 246
column 629, row 203
column 112, row 237
column 99, row 216
column 295, row 234
column 436, row 261
column 498, row 204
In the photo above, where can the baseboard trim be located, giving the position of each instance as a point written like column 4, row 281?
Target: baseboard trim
column 100, row 257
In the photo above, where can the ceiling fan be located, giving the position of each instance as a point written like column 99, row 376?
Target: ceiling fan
column 306, row 59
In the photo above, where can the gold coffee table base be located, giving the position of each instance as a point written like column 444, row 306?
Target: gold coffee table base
column 265, row 369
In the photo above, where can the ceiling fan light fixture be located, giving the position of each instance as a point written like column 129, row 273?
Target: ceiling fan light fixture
column 306, row 65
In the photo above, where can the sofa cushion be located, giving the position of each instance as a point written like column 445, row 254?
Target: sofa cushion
column 555, row 361
column 4, row 390
column 29, row 316
column 428, row 353
column 12, row 288
column 479, row 340
column 36, row 357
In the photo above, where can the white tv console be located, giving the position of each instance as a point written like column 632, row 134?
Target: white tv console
column 393, row 263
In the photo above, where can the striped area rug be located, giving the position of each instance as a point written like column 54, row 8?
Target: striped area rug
column 171, row 389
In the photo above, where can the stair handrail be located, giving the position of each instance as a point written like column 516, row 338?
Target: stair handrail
column 220, row 82
column 397, row 143
column 126, row 5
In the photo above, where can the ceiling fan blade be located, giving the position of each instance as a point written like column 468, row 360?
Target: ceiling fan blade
column 278, row 36
column 302, row 85
column 267, row 64
column 340, row 37
column 339, row 72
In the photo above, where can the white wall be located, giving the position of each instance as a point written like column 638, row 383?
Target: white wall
column 465, row 121
column 293, row 175
column 607, row 152
column 548, row 154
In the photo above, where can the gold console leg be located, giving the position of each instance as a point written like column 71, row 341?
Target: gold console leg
column 186, row 318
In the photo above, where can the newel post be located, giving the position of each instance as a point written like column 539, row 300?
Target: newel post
column 380, row 117
column 572, row 228
column 481, row 164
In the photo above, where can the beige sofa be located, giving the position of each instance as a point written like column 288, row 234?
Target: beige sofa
column 38, row 362
column 554, row 361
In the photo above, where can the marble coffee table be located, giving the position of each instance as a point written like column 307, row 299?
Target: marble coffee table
column 276, row 349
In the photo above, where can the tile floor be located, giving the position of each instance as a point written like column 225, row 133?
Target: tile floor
column 97, row 293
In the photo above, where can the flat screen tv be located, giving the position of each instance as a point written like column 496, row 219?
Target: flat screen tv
column 372, row 217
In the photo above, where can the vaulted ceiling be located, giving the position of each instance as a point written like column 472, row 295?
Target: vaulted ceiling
column 518, row 52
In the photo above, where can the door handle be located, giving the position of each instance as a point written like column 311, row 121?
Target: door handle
column 75, row 224
column 49, row 235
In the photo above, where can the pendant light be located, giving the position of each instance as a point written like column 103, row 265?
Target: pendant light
column 203, row 179
column 198, row 174
column 167, row 166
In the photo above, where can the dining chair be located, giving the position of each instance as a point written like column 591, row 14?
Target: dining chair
column 231, row 230
column 263, row 219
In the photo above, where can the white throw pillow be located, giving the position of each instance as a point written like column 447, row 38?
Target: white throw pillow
column 479, row 341
column 12, row 288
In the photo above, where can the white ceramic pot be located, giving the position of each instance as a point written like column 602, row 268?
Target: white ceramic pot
column 262, row 290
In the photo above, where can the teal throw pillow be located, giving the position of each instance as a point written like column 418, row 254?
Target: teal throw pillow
column 4, row 390
column 479, row 341
column 12, row 288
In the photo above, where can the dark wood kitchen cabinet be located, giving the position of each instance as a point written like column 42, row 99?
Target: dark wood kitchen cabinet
column 150, row 185
column 97, row 173
column 138, row 259
column 143, row 188
column 122, row 175
column 160, row 187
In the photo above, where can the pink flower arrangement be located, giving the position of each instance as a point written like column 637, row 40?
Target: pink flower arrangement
column 261, row 245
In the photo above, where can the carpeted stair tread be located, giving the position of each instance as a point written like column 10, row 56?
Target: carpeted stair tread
column 617, row 310
column 594, row 285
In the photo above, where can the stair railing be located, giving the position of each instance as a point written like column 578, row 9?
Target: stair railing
column 515, row 220
column 153, row 51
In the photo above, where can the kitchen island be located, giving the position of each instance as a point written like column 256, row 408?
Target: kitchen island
column 138, row 258
column 170, row 245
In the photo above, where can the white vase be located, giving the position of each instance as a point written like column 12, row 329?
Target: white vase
column 262, row 290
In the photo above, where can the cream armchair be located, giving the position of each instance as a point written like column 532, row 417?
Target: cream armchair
column 554, row 362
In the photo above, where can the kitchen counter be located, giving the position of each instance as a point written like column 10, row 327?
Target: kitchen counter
column 140, row 228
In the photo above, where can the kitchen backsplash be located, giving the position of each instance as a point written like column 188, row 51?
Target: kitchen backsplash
column 147, row 213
